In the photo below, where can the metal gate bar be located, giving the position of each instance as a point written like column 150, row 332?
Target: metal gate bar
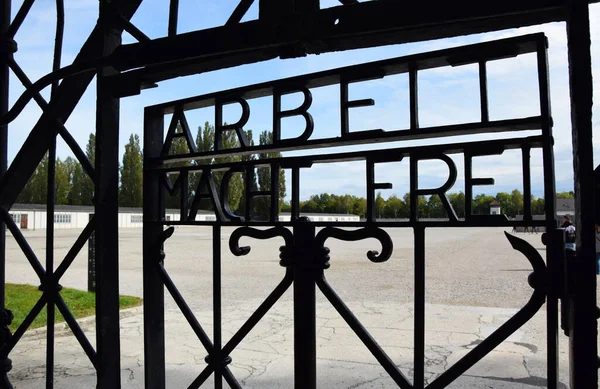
column 387, row 28
column 583, row 328
column 5, row 315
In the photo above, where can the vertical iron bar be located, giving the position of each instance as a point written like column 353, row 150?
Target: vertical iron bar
column 173, row 16
column 5, row 315
column 554, row 241
column 305, row 325
column 217, row 341
column 274, row 212
column 106, row 212
column 154, row 295
column 58, row 43
column 49, row 284
column 413, row 87
column 50, row 281
column 483, row 92
column 550, row 208
column 414, row 185
column 583, row 347
column 371, row 211
column 526, row 159
column 344, row 117
column 419, row 315
column 295, row 213
column 468, row 186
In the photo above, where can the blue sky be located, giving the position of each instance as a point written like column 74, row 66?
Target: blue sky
column 446, row 96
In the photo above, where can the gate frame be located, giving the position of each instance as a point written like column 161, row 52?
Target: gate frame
column 362, row 25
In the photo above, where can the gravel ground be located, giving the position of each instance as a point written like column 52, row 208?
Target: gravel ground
column 464, row 266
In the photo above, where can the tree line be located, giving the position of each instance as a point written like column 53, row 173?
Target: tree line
column 395, row 207
column 74, row 187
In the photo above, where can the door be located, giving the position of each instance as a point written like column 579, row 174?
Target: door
column 24, row 221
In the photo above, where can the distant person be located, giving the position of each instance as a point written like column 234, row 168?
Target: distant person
column 569, row 233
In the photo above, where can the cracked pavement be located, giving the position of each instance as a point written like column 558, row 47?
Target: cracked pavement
column 474, row 283
column 265, row 358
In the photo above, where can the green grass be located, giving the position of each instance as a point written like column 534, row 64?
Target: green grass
column 21, row 298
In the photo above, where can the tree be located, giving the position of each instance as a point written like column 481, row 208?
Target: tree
column 422, row 209
column 379, row 205
column 78, row 179
column 131, row 174
column 517, row 202
column 537, row 207
column 394, row 207
column 507, row 205
column 457, row 201
column 36, row 190
column 264, row 177
column 245, row 177
column 179, row 146
column 205, row 139
column 435, row 207
column 39, row 182
column 62, row 182
column 87, row 185
column 234, row 190
column 360, row 207
column 481, row 204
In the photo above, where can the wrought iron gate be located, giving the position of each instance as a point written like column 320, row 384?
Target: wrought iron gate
column 304, row 255
column 285, row 29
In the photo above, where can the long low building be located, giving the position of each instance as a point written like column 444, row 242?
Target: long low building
column 34, row 216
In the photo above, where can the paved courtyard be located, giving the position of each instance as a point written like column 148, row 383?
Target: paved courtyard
column 475, row 281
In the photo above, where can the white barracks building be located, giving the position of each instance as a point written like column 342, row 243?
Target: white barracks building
column 34, row 216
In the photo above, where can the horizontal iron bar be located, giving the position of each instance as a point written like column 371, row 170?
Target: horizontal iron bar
column 374, row 136
column 508, row 47
column 484, row 221
column 394, row 154
column 352, row 26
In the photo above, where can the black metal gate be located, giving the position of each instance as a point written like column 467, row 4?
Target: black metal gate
column 289, row 29
column 304, row 255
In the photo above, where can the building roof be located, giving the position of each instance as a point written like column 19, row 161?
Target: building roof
column 495, row 204
column 86, row 209
column 90, row 209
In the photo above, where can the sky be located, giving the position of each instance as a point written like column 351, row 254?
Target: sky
column 446, row 96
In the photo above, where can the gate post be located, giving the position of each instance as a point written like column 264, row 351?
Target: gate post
column 154, row 295
column 7, row 47
column 106, row 210
column 306, row 270
column 583, row 324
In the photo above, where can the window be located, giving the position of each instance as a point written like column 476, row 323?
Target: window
column 16, row 217
column 137, row 218
column 62, row 218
